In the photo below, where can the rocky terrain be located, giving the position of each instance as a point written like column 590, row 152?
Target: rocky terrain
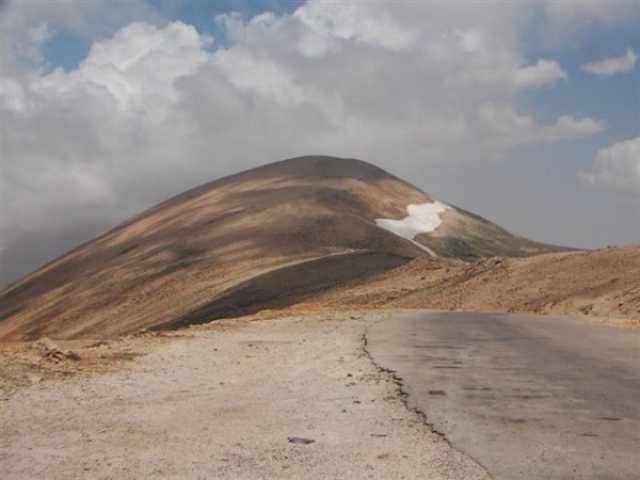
column 600, row 284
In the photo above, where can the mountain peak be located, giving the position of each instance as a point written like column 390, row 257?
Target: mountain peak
column 323, row 166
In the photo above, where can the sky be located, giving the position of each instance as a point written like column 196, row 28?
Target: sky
column 527, row 113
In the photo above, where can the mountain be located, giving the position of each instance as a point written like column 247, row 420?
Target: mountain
column 266, row 237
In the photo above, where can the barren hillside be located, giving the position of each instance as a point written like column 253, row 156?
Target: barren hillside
column 602, row 283
column 271, row 236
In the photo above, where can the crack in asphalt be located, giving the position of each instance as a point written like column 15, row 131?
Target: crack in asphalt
column 403, row 396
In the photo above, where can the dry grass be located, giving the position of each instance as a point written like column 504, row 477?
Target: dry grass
column 601, row 284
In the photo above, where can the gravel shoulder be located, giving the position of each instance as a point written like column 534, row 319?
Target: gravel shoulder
column 223, row 401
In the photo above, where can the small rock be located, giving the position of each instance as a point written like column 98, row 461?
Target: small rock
column 437, row 392
column 72, row 355
column 300, row 440
column 48, row 349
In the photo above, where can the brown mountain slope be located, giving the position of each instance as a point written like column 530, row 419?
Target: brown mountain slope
column 603, row 283
column 271, row 235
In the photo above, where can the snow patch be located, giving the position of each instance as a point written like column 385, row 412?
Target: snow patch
column 423, row 218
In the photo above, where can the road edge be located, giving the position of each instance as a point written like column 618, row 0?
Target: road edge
column 404, row 397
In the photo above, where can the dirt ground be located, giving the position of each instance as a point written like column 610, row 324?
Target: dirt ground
column 23, row 364
column 292, row 398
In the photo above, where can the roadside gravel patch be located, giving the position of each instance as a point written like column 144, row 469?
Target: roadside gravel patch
column 225, row 403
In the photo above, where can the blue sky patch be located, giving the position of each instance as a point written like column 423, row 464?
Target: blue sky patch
column 66, row 49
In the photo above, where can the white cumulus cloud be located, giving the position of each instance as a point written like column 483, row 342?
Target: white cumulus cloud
column 140, row 61
column 617, row 167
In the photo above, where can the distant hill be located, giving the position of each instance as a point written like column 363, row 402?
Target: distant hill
column 270, row 236
column 599, row 283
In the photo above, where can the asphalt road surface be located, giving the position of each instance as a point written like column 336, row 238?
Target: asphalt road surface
column 527, row 397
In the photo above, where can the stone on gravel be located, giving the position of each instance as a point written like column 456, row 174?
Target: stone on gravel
column 300, row 440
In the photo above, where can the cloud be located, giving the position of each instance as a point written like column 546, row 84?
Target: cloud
column 617, row 167
column 542, row 74
column 83, row 144
column 25, row 26
column 501, row 126
column 568, row 127
column 612, row 66
column 155, row 108
column 127, row 65
column 380, row 30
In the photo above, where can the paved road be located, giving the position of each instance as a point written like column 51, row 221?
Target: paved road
column 527, row 397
